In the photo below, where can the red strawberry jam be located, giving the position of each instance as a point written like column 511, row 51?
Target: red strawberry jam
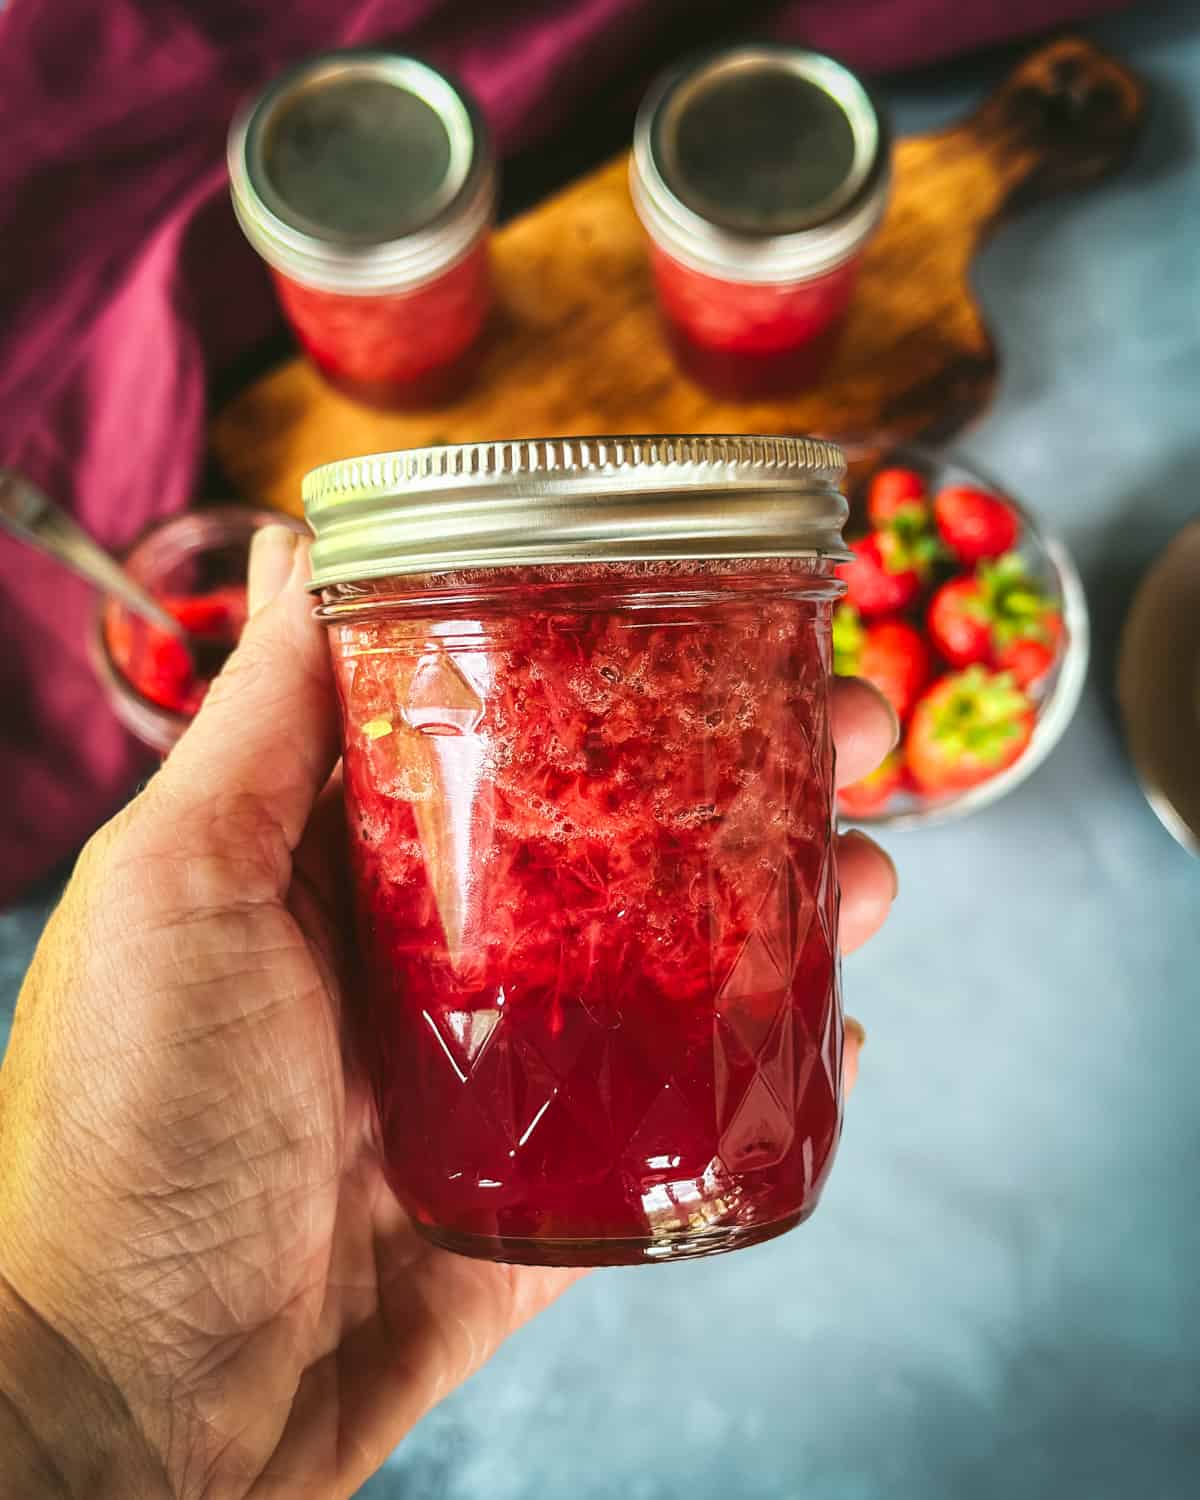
column 410, row 348
column 160, row 665
column 741, row 339
column 590, row 822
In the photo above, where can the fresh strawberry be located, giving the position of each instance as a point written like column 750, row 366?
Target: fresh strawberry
column 897, row 496
column 874, row 791
column 890, row 654
column 1026, row 661
column 1031, row 654
column 888, row 572
column 981, row 617
column 967, row 728
column 975, row 525
column 897, row 660
column 1026, row 626
column 959, row 622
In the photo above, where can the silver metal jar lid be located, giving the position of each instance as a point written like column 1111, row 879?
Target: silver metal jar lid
column 361, row 171
column 564, row 500
column 761, row 163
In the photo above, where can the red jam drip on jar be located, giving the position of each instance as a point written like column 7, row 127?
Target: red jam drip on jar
column 597, row 900
column 743, row 339
column 411, row 348
column 159, row 665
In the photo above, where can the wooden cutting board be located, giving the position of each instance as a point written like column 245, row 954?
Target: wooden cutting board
column 575, row 347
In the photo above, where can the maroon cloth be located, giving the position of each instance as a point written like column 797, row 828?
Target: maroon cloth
column 124, row 282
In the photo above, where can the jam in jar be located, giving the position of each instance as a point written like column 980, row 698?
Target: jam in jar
column 760, row 175
column 366, row 182
column 588, row 776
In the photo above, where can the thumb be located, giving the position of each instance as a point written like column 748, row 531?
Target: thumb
column 250, row 765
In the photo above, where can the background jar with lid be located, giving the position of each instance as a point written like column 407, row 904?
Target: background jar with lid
column 760, row 174
column 366, row 182
column 588, row 774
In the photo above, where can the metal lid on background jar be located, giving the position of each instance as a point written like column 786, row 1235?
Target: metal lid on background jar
column 361, row 171
column 565, row 500
column 761, row 163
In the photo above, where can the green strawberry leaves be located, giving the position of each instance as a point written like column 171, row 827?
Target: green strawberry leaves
column 905, row 549
column 1014, row 603
column 849, row 638
column 978, row 714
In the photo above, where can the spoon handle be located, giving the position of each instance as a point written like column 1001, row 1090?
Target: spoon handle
column 30, row 515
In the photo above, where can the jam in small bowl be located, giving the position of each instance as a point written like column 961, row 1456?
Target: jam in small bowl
column 195, row 565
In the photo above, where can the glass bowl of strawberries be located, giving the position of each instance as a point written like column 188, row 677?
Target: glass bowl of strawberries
column 195, row 566
column 971, row 619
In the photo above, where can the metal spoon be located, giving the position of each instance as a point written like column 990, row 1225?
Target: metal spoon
column 33, row 517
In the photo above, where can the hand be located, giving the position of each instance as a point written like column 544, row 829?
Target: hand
column 206, row 1289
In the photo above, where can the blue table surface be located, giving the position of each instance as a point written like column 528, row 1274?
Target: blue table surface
column 1000, row 1295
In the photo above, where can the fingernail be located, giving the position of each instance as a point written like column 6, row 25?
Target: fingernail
column 856, row 1030
column 272, row 554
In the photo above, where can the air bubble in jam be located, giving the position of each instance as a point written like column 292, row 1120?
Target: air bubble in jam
column 601, row 949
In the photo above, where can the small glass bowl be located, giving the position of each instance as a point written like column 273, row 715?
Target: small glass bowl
column 1056, row 697
column 188, row 554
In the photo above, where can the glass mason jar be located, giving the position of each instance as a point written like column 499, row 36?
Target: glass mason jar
column 588, row 775
column 195, row 565
column 366, row 182
column 759, row 173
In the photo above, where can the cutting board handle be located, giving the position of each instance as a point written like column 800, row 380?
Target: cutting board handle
column 1067, row 115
